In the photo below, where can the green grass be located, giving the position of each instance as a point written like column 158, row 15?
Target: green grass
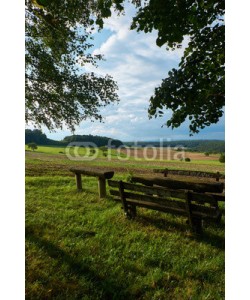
column 48, row 159
column 47, row 149
column 80, row 247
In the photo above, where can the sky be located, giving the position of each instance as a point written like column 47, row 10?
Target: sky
column 138, row 66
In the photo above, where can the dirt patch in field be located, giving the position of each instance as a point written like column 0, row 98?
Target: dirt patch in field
column 166, row 154
column 41, row 164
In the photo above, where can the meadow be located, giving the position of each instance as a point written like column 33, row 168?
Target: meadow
column 81, row 247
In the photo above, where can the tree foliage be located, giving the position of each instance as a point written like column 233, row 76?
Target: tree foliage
column 196, row 89
column 35, row 136
column 58, row 35
column 32, row 146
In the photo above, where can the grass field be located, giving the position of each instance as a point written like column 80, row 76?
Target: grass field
column 80, row 247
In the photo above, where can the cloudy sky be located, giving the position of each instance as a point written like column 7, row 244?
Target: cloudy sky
column 138, row 66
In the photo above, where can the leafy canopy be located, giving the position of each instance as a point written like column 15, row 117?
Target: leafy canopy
column 58, row 35
column 196, row 89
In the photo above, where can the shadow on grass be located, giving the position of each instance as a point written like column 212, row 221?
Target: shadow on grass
column 207, row 236
column 108, row 288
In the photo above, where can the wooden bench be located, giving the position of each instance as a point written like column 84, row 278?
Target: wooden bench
column 180, row 202
column 214, row 189
column 101, row 175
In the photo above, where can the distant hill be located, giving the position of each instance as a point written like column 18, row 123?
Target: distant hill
column 212, row 146
column 36, row 136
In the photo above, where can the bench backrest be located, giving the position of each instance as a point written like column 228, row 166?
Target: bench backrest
column 192, row 173
column 212, row 187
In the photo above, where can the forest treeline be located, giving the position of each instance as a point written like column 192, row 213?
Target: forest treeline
column 40, row 138
column 210, row 146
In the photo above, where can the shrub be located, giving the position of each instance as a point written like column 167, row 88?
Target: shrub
column 103, row 148
column 187, row 159
column 32, row 146
column 222, row 158
column 206, row 153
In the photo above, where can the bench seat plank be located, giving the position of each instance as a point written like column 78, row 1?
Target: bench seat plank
column 94, row 173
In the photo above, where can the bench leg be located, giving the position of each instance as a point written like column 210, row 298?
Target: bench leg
column 102, row 187
column 79, row 182
column 197, row 225
column 131, row 211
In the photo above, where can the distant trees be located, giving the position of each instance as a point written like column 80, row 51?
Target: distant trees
column 211, row 146
column 32, row 146
column 40, row 138
column 99, row 141
column 222, row 158
column 35, row 136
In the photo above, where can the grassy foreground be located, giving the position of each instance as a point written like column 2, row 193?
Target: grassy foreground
column 80, row 247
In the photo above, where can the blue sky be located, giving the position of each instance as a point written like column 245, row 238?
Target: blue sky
column 138, row 66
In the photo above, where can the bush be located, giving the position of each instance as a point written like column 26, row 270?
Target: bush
column 103, row 148
column 32, row 146
column 206, row 153
column 187, row 159
column 222, row 158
